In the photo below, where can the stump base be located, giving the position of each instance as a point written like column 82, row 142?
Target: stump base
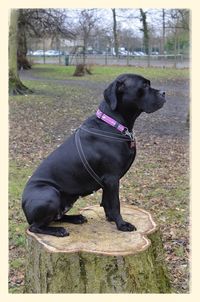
column 97, row 258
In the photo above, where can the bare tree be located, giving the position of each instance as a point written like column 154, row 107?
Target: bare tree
column 85, row 27
column 15, row 85
column 115, row 35
column 145, row 30
column 40, row 23
column 180, row 18
column 185, row 18
column 178, row 24
column 163, row 31
column 87, row 21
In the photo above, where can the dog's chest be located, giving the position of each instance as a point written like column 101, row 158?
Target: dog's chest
column 129, row 157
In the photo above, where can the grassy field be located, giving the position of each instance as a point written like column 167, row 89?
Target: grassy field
column 158, row 180
column 102, row 73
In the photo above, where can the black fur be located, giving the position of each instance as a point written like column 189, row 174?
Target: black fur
column 61, row 178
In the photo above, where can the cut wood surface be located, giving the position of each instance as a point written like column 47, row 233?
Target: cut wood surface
column 98, row 258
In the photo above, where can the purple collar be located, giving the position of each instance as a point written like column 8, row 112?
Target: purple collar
column 110, row 121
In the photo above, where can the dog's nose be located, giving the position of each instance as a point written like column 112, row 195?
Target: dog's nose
column 162, row 93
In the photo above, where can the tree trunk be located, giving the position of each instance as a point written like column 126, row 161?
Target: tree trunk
column 22, row 61
column 116, row 43
column 82, row 69
column 97, row 258
column 175, row 48
column 145, row 31
column 84, row 51
column 15, row 85
column 163, row 32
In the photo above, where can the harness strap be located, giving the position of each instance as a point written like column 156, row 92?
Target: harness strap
column 84, row 160
column 110, row 136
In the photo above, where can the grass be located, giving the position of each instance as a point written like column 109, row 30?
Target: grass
column 102, row 73
column 18, row 176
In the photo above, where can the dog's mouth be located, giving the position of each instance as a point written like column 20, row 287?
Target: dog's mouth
column 162, row 99
column 156, row 106
column 161, row 104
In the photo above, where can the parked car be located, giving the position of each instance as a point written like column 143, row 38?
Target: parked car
column 136, row 53
column 38, row 52
column 141, row 53
column 123, row 53
column 49, row 53
column 53, row 53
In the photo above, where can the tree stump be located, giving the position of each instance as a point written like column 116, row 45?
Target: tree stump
column 97, row 258
column 82, row 69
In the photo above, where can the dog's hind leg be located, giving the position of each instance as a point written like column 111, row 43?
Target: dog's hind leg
column 41, row 212
column 44, row 215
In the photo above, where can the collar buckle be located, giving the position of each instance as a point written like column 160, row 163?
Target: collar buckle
column 131, row 135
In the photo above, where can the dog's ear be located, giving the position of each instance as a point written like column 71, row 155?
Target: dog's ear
column 111, row 93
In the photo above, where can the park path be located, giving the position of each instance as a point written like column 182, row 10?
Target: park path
column 171, row 120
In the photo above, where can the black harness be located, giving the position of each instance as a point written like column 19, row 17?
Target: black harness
column 129, row 137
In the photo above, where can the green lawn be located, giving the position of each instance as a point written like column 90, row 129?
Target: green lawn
column 107, row 73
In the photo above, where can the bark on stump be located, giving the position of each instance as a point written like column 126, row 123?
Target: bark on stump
column 82, row 69
column 97, row 258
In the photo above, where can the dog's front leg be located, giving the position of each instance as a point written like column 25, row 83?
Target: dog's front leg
column 111, row 204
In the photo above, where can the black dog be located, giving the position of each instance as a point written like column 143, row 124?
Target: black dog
column 96, row 156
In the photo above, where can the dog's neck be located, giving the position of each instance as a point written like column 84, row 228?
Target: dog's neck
column 124, row 117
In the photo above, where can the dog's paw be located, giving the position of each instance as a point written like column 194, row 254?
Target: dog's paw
column 61, row 232
column 80, row 219
column 77, row 219
column 126, row 227
column 54, row 231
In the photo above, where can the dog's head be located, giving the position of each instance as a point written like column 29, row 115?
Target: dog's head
column 133, row 92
